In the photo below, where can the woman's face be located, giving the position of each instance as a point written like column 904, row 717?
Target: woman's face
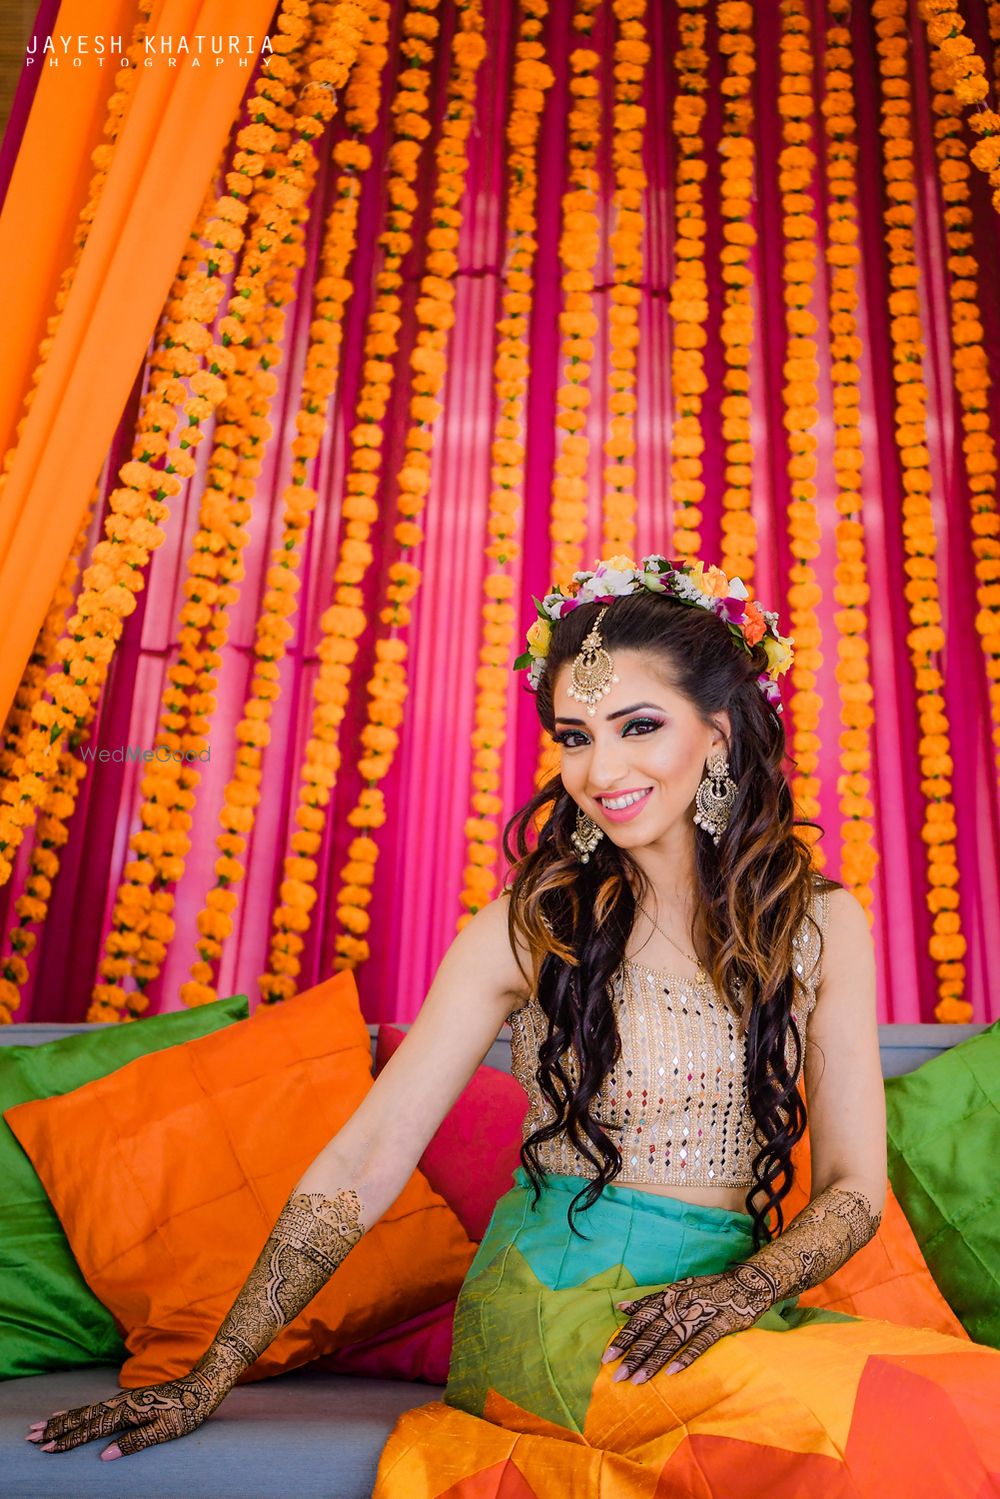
column 659, row 746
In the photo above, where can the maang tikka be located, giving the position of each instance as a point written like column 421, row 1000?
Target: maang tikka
column 593, row 673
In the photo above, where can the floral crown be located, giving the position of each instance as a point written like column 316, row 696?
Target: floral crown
column 690, row 582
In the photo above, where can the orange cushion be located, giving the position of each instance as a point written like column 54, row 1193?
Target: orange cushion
column 169, row 1174
column 887, row 1279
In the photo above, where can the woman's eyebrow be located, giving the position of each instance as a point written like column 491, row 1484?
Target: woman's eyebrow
column 620, row 714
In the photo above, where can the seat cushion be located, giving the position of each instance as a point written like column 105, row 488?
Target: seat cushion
column 303, row 1433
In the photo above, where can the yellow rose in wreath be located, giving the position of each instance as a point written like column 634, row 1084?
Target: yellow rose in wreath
column 779, row 654
column 540, row 637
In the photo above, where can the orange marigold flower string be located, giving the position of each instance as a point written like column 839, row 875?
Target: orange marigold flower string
column 387, row 688
column 972, row 374
column 133, row 530
column 142, row 923
column 966, row 70
column 579, row 242
column 337, row 43
column 926, row 639
column 797, row 162
column 736, row 43
column 344, row 621
column 858, row 857
column 50, row 831
column 215, row 564
column 631, row 54
column 689, row 289
column 532, row 77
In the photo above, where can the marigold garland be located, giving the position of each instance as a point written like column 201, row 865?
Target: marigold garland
column 57, row 805
column 858, row 856
column 966, row 70
column 387, row 688
column 972, row 374
column 993, row 17
column 926, row 639
column 797, row 162
column 133, row 529
column 736, row 43
column 265, row 283
column 579, row 242
column 689, row 290
column 344, row 621
column 532, row 77
column 338, row 43
column 631, row 54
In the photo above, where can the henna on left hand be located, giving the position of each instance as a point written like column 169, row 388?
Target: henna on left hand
column 683, row 1320
column 691, row 1315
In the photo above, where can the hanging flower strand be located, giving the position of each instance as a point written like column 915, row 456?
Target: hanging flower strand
column 343, row 622
column 336, row 46
column 56, row 808
column 137, row 506
column 142, row 924
column 579, row 242
column 966, row 72
column 858, row 857
column 736, row 43
column 689, row 290
column 631, row 55
column 972, row 375
column 532, row 77
column 926, row 639
column 387, row 688
column 797, row 162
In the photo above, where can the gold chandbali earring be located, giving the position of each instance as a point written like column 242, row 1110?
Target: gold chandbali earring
column 593, row 672
column 586, row 835
column 715, row 797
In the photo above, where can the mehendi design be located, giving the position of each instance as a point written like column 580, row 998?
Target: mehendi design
column 691, row 1314
column 831, row 1228
column 313, row 1234
column 680, row 1322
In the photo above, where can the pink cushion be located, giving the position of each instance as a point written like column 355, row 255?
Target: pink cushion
column 470, row 1163
column 471, row 1159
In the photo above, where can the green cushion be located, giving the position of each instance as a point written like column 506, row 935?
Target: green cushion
column 944, row 1142
column 49, row 1317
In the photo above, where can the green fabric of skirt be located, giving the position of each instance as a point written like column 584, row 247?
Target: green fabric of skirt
column 537, row 1308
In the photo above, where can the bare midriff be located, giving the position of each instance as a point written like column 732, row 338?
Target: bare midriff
column 732, row 1199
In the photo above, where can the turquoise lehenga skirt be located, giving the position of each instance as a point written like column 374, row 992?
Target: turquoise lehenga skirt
column 805, row 1403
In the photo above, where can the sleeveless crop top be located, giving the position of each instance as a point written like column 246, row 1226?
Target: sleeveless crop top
column 678, row 1088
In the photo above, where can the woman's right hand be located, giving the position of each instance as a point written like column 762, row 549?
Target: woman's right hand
column 151, row 1414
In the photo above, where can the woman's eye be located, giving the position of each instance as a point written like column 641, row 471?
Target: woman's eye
column 569, row 735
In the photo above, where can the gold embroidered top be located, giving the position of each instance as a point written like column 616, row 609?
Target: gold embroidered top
column 678, row 1088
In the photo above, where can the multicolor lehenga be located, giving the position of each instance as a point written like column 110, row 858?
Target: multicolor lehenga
column 806, row 1403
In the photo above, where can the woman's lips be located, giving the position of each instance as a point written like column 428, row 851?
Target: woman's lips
column 624, row 814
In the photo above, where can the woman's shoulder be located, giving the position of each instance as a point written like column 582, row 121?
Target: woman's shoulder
column 496, row 951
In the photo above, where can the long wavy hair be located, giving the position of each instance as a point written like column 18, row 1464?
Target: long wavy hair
column 753, row 893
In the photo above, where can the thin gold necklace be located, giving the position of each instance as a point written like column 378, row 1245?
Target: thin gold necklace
column 701, row 977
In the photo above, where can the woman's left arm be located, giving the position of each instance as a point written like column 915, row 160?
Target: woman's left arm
column 846, row 1108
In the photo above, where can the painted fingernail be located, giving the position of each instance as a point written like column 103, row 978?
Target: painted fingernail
column 674, row 1368
column 610, row 1354
column 48, row 1447
column 113, row 1451
column 621, row 1373
column 640, row 1377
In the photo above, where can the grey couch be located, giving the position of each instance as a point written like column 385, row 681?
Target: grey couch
column 297, row 1435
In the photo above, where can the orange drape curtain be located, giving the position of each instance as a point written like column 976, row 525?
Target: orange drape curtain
column 174, row 132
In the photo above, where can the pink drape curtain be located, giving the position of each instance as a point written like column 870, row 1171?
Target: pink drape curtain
column 423, row 846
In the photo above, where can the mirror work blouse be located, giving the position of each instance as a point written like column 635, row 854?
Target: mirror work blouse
column 678, row 1090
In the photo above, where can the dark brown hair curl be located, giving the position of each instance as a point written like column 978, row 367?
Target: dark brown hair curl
column 754, row 892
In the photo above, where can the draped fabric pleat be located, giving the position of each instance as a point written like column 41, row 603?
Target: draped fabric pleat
column 419, row 873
